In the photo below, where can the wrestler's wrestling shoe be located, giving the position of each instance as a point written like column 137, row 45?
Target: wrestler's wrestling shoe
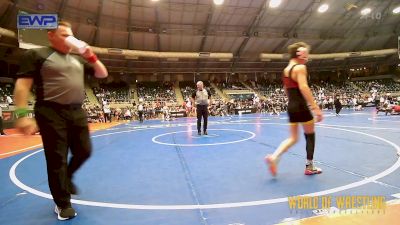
column 272, row 165
column 311, row 170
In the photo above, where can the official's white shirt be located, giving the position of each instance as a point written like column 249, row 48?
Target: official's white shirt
column 9, row 100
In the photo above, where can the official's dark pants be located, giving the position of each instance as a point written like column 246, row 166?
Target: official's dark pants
column 107, row 117
column 140, row 116
column 63, row 127
column 1, row 125
column 338, row 109
column 202, row 111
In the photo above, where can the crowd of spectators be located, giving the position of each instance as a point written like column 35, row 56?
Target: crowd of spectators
column 6, row 91
column 230, row 85
column 156, row 92
column 116, row 93
column 158, row 99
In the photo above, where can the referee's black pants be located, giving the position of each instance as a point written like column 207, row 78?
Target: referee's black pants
column 63, row 127
column 202, row 111
column 1, row 125
column 338, row 109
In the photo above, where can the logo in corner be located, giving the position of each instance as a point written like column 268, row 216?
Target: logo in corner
column 37, row 21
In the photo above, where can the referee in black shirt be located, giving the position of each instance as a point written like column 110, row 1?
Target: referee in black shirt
column 59, row 80
column 202, row 98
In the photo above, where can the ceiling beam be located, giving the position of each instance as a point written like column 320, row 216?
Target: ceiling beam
column 394, row 35
column 249, row 32
column 129, row 46
column 7, row 15
column 207, row 27
column 316, row 46
column 393, row 38
column 157, row 28
column 61, row 9
column 158, row 31
column 360, row 45
column 95, row 40
column 342, row 19
column 385, row 14
column 300, row 21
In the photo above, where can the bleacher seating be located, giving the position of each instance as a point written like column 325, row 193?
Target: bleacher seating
column 381, row 86
column 113, row 93
column 156, row 92
column 231, row 86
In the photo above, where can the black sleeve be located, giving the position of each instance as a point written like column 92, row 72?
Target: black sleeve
column 29, row 65
column 209, row 93
column 194, row 95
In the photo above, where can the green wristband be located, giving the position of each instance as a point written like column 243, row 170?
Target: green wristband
column 21, row 112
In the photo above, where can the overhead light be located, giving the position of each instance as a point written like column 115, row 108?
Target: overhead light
column 366, row 11
column 218, row 2
column 155, row 0
column 323, row 8
column 396, row 10
column 274, row 3
column 204, row 54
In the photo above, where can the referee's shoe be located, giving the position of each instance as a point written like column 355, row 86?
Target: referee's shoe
column 65, row 214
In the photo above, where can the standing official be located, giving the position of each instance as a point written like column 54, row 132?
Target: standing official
column 338, row 105
column 201, row 98
column 59, row 80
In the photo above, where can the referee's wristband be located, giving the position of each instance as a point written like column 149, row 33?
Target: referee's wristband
column 21, row 112
column 92, row 59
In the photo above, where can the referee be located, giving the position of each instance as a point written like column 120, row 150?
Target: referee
column 202, row 98
column 59, row 80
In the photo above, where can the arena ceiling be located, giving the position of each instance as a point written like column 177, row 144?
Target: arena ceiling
column 245, row 28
